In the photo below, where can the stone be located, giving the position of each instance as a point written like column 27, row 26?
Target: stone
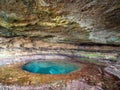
column 114, row 70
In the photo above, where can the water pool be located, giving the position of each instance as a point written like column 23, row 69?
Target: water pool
column 50, row 67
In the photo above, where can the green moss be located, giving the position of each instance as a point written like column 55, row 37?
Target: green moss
column 4, row 23
column 99, row 56
column 9, row 25
column 92, row 61
column 117, row 6
column 54, row 22
column 93, row 55
column 118, row 39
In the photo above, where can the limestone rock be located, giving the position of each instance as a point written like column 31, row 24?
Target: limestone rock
column 114, row 70
column 100, row 18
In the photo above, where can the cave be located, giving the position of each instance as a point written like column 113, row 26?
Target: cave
column 83, row 34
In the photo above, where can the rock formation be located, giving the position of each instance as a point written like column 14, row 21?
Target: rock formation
column 79, row 28
column 98, row 20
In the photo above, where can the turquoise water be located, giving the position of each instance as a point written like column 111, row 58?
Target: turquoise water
column 50, row 67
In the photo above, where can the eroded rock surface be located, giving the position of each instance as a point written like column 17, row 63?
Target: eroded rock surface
column 98, row 20
column 79, row 28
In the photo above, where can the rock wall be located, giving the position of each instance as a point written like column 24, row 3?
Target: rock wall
column 99, row 17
